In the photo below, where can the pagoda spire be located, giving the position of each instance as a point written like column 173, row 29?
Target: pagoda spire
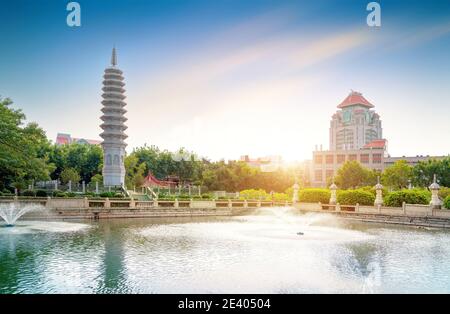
column 114, row 57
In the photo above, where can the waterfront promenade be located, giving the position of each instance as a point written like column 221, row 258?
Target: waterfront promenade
column 84, row 208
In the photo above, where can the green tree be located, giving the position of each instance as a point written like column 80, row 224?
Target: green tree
column 352, row 175
column 398, row 175
column 70, row 174
column 23, row 149
column 423, row 172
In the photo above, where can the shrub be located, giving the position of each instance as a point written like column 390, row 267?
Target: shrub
column 59, row 194
column 206, row 196
column 444, row 192
column 118, row 195
column 314, row 196
column 107, row 194
column 280, row 197
column 29, row 193
column 41, row 193
column 252, row 194
column 395, row 199
column 447, row 202
column 71, row 194
column 353, row 197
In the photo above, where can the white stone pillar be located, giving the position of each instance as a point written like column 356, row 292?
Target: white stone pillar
column 107, row 203
column 176, row 204
column 333, row 198
column 96, row 187
column 83, row 186
column 435, row 201
column 245, row 204
column 379, row 194
column 230, row 204
column 70, row 185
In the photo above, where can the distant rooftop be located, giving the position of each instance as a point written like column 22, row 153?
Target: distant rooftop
column 376, row 144
column 64, row 138
column 355, row 98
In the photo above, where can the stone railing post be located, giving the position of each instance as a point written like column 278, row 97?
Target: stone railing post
column 333, row 189
column 258, row 204
column 230, row 204
column 83, row 184
column 295, row 195
column 357, row 208
column 286, row 203
column 48, row 203
column 404, row 208
column 379, row 193
column 320, row 205
column 132, row 203
column 86, row 202
column 107, row 203
column 155, row 202
column 245, row 204
column 70, row 185
column 338, row 207
column 176, row 204
column 190, row 203
column 435, row 201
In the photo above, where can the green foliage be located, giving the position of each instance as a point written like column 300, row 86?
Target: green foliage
column 398, row 175
column 447, row 202
column 352, row 175
column 444, row 192
column 314, row 196
column 29, row 193
column 353, row 197
column 280, row 197
column 59, row 194
column 97, row 178
column 41, row 193
column 85, row 159
column 69, row 174
column 107, row 194
column 252, row 194
column 23, row 149
column 396, row 198
column 423, row 172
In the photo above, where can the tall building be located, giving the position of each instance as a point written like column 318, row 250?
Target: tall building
column 355, row 134
column 355, row 124
column 113, row 125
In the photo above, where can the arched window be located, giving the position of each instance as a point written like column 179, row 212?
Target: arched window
column 116, row 160
column 108, row 159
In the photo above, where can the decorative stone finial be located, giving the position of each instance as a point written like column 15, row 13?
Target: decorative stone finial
column 434, row 185
column 114, row 57
column 333, row 186
column 378, row 186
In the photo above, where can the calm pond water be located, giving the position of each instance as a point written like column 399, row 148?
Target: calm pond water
column 261, row 253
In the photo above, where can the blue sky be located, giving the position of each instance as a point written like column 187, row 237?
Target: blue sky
column 227, row 78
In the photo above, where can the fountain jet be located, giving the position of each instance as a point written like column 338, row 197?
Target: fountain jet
column 11, row 212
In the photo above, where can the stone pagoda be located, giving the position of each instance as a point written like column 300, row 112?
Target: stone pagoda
column 113, row 125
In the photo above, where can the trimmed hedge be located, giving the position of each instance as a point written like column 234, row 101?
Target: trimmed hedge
column 396, row 199
column 29, row 193
column 447, row 202
column 314, row 196
column 353, row 197
column 41, row 193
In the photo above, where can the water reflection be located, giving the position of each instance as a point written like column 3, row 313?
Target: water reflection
column 260, row 253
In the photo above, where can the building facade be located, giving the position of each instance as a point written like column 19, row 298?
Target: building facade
column 355, row 124
column 355, row 134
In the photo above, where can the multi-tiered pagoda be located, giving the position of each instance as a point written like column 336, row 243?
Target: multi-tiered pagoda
column 113, row 125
